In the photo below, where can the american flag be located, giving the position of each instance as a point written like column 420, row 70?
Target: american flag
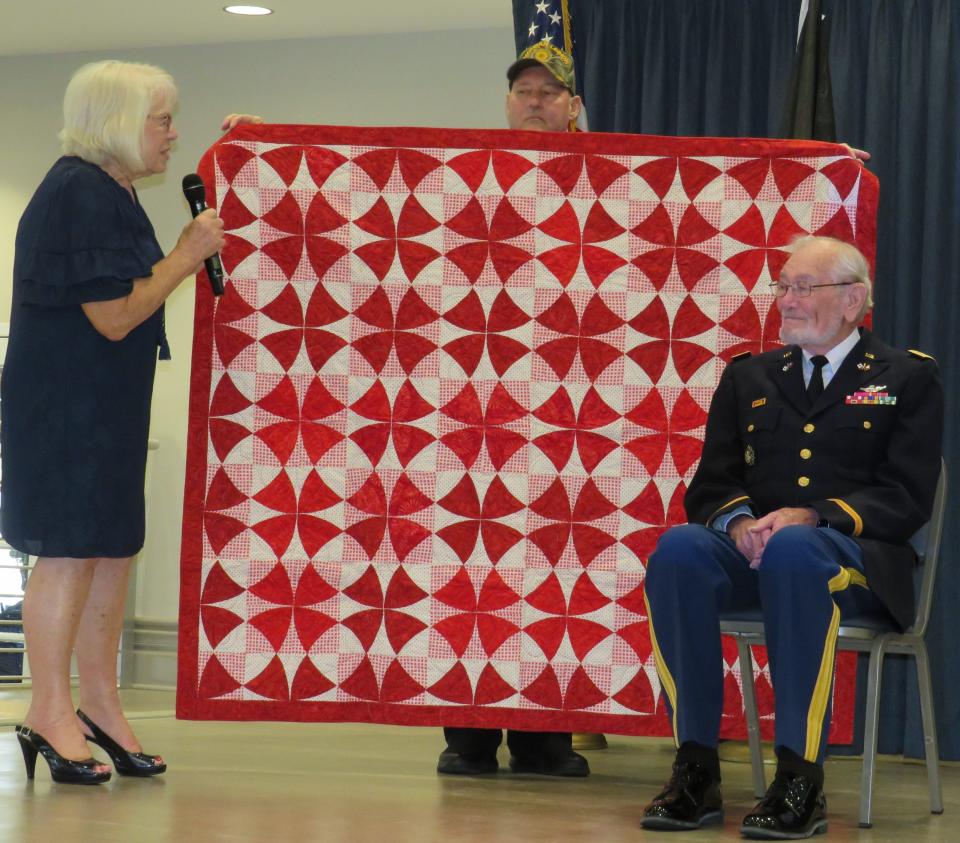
column 549, row 20
column 546, row 20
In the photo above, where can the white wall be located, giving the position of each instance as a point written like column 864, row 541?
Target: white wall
column 431, row 79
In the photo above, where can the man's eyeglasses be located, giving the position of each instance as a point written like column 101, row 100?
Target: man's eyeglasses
column 802, row 288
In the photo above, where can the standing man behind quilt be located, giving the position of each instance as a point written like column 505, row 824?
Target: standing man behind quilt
column 820, row 461
column 541, row 97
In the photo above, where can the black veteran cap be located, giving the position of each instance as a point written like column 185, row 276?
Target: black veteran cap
column 552, row 58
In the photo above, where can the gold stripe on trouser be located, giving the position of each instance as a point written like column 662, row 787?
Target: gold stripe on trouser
column 821, row 691
column 662, row 670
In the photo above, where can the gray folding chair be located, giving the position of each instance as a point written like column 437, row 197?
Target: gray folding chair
column 877, row 637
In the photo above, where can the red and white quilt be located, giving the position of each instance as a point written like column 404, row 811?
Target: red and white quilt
column 453, row 394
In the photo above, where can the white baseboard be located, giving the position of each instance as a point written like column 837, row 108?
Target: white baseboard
column 151, row 662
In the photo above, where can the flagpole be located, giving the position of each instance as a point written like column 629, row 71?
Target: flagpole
column 804, row 10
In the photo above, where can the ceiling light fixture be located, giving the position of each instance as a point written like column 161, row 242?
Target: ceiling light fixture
column 247, row 10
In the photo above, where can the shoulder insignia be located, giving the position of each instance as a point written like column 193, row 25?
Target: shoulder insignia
column 743, row 355
column 919, row 354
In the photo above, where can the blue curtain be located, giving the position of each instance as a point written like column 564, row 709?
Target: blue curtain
column 680, row 67
column 721, row 68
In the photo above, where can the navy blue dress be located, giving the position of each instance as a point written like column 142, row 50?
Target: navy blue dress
column 75, row 405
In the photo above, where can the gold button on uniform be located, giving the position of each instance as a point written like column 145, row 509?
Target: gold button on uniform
column 808, row 428
column 806, row 453
column 749, row 428
column 803, row 481
column 867, row 425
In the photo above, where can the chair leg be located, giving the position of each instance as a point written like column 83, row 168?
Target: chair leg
column 752, row 716
column 930, row 749
column 874, row 673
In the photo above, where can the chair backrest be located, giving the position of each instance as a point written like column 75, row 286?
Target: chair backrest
column 926, row 542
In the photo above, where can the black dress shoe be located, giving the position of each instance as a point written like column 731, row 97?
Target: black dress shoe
column 692, row 798
column 793, row 808
column 568, row 764
column 455, row 764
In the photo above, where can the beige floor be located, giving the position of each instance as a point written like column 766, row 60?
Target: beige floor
column 274, row 782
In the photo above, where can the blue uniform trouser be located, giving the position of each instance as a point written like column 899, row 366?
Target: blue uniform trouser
column 808, row 579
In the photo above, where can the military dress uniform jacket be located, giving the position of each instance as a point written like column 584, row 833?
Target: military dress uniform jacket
column 865, row 455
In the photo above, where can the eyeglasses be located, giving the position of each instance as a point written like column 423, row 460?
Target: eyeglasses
column 802, row 288
column 164, row 121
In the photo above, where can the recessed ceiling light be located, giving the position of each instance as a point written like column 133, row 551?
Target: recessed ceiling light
column 248, row 10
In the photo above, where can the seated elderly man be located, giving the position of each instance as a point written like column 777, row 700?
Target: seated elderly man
column 820, row 461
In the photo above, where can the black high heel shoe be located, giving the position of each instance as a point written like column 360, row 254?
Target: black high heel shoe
column 126, row 763
column 63, row 770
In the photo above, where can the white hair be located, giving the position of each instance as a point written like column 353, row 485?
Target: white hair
column 847, row 264
column 105, row 108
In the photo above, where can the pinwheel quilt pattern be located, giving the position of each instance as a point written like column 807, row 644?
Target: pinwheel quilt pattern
column 452, row 395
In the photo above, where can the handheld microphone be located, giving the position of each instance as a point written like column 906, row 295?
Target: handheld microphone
column 196, row 196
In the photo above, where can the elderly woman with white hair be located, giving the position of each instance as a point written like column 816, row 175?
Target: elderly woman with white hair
column 86, row 324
